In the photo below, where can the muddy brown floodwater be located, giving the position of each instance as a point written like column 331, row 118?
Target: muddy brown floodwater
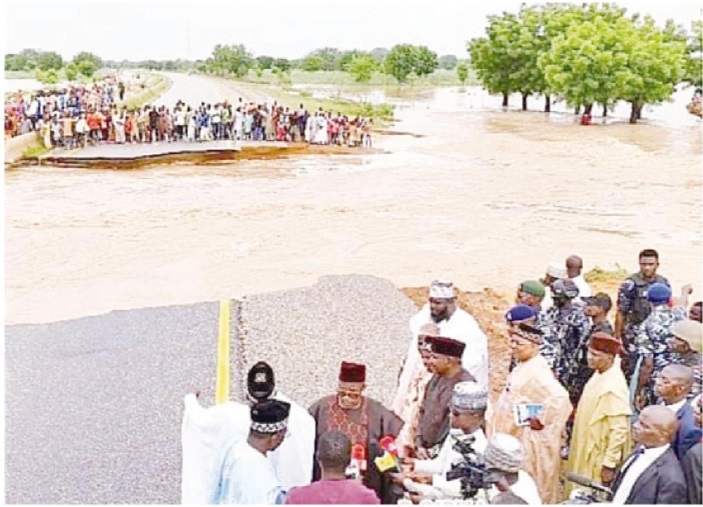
column 483, row 196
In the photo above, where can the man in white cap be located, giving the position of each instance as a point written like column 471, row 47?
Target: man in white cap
column 505, row 454
column 467, row 418
column 555, row 271
column 453, row 323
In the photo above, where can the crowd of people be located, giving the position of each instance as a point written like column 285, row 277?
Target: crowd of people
column 88, row 115
column 617, row 403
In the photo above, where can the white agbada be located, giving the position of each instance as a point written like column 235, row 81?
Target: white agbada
column 460, row 326
column 206, row 431
column 246, row 478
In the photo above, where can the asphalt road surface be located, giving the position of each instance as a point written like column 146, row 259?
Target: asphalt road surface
column 93, row 406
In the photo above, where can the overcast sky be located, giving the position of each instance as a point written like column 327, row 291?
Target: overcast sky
column 160, row 30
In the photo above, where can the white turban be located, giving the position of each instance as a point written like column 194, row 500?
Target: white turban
column 442, row 289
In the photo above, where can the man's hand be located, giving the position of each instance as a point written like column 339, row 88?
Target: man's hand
column 408, row 464
column 422, row 453
column 536, row 424
column 397, row 477
column 502, row 485
column 687, row 289
column 607, row 475
column 416, row 498
column 639, row 401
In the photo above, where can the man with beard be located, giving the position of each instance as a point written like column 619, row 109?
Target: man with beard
column 363, row 420
column 686, row 343
column 453, row 323
column 245, row 474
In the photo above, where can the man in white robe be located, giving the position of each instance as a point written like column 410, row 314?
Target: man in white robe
column 321, row 136
column 453, row 323
column 245, row 475
column 207, row 430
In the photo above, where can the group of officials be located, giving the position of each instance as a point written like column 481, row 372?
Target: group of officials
column 617, row 406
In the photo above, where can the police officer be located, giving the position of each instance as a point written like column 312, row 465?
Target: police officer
column 633, row 307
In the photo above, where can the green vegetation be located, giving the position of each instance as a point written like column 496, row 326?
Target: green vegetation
column 585, row 55
column 405, row 60
column 382, row 114
column 35, row 151
column 598, row 274
column 155, row 85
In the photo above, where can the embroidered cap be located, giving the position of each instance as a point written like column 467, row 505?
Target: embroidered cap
column 446, row 346
column 442, row 289
column 352, row 372
column 504, row 453
column 469, row 396
column 269, row 416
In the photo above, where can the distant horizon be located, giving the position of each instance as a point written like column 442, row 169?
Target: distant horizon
column 280, row 29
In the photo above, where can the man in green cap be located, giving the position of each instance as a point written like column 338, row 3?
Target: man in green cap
column 531, row 293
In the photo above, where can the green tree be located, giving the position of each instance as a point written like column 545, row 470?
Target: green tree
column 49, row 60
column 462, row 72
column 694, row 56
column 448, row 62
column 425, row 61
column 15, row 62
column 71, row 71
column 362, row 68
column 327, row 58
column 400, row 62
column 234, row 59
column 656, row 63
column 48, row 77
column 282, row 64
column 312, row 63
column 87, row 63
column 265, row 62
column 345, row 59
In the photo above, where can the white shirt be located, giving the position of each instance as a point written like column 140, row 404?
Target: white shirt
column 675, row 407
column 584, row 289
column 206, row 430
column 460, row 326
column 633, row 472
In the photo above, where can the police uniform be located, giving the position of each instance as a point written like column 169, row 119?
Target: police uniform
column 634, row 309
column 565, row 345
column 653, row 339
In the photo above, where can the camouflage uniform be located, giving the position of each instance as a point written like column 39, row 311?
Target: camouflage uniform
column 653, row 340
column 565, row 345
column 634, row 308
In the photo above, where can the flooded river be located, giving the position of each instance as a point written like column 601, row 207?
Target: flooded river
column 463, row 190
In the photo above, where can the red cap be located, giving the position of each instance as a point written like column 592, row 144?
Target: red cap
column 352, row 372
column 603, row 342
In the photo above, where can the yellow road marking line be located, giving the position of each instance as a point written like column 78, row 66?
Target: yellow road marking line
column 222, row 377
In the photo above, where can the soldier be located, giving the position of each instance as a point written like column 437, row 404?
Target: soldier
column 633, row 307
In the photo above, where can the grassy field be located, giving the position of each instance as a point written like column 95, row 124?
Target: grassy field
column 440, row 77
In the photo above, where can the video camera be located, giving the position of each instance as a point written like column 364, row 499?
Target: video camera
column 472, row 470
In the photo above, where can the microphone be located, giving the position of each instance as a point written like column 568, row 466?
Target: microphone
column 584, row 481
column 388, row 461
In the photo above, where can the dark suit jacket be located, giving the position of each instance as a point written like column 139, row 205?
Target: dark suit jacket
column 691, row 465
column 688, row 433
column 661, row 483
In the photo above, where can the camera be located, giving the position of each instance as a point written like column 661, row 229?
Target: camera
column 471, row 470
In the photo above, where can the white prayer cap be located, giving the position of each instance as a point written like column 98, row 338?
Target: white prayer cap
column 556, row 269
column 504, row 453
column 442, row 289
column 469, row 396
